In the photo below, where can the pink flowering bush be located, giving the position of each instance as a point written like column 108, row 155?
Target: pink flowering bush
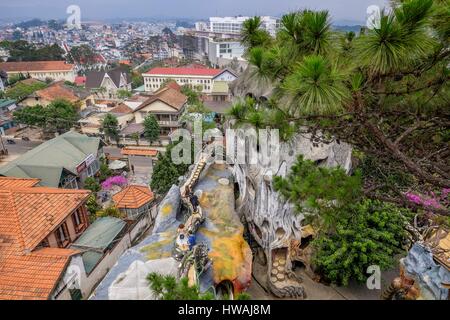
column 114, row 181
column 432, row 200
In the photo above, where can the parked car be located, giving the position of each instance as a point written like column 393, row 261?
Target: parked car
column 25, row 139
column 10, row 141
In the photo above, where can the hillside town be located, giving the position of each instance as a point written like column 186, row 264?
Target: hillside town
column 353, row 203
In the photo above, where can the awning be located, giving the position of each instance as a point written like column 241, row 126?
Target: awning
column 132, row 128
column 139, row 152
column 96, row 239
column 117, row 165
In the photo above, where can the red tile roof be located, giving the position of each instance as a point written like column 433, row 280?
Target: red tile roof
column 29, row 214
column 121, row 108
column 133, row 197
column 37, row 211
column 29, row 66
column 184, row 72
column 8, row 182
column 80, row 80
column 57, row 91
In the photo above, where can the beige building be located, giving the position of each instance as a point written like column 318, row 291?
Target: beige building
column 167, row 105
column 202, row 78
column 41, row 70
column 81, row 98
column 92, row 124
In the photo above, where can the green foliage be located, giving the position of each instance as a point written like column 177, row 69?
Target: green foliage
column 243, row 296
column 136, row 80
column 22, row 90
column 192, row 94
column 91, row 184
column 353, row 232
column 110, row 127
column 109, row 212
column 165, row 172
column 151, row 128
column 59, row 116
column 245, row 112
column 123, row 94
column 322, row 192
column 135, row 136
column 104, row 172
column 252, row 35
column 21, row 50
column 92, row 206
column 384, row 91
column 316, row 87
column 82, row 54
column 370, row 233
column 168, row 288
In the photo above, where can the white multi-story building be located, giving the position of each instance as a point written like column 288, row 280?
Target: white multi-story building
column 233, row 25
column 202, row 78
column 226, row 49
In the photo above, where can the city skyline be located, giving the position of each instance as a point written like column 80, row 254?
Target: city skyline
column 353, row 11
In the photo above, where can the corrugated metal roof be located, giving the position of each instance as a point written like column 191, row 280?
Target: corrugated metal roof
column 6, row 102
column 48, row 160
column 100, row 234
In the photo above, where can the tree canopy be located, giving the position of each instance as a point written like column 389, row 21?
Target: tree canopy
column 384, row 91
column 151, row 128
column 22, row 50
column 21, row 90
column 353, row 232
column 110, row 127
column 59, row 116
column 165, row 172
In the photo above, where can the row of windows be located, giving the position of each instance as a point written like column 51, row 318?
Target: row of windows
column 157, row 86
column 180, row 80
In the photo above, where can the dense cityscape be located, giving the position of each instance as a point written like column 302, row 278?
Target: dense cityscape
column 249, row 157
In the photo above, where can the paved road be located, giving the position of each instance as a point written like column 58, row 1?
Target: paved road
column 18, row 149
column 143, row 167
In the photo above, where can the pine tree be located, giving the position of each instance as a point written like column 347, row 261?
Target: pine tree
column 110, row 126
column 151, row 128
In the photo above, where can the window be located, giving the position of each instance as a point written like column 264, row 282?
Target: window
column 78, row 220
column 62, row 236
column 44, row 244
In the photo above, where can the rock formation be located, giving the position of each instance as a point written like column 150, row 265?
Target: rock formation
column 271, row 220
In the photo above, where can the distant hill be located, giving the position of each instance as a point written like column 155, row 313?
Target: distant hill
column 30, row 24
column 348, row 28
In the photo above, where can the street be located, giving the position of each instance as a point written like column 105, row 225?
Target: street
column 142, row 166
column 19, row 148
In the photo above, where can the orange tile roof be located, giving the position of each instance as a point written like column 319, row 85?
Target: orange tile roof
column 33, row 276
column 139, row 152
column 29, row 66
column 168, row 95
column 29, row 214
column 121, row 108
column 133, row 197
column 57, row 91
column 8, row 182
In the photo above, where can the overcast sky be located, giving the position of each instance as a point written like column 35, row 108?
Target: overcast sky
column 354, row 10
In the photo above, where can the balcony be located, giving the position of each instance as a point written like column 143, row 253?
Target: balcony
column 168, row 123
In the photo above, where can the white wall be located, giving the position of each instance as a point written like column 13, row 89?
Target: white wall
column 75, row 274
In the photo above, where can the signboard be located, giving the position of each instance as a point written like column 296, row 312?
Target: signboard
column 89, row 160
column 85, row 163
column 82, row 166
